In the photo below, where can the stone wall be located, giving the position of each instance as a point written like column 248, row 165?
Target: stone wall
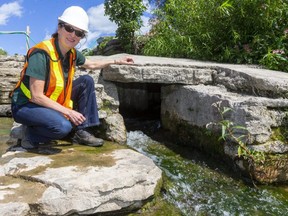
column 188, row 92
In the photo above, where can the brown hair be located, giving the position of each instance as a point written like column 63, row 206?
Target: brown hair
column 55, row 34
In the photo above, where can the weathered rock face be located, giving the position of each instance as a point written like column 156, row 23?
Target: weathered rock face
column 79, row 180
column 75, row 182
column 10, row 71
column 190, row 89
column 187, row 91
column 186, row 108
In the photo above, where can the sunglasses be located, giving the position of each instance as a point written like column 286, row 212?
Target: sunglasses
column 70, row 29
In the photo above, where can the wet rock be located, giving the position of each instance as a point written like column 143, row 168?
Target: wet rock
column 258, row 115
column 14, row 209
column 271, row 147
column 187, row 90
column 76, row 181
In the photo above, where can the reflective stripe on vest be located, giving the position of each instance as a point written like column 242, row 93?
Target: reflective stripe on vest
column 55, row 91
column 59, row 77
column 25, row 90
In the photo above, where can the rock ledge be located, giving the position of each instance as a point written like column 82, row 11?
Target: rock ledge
column 76, row 182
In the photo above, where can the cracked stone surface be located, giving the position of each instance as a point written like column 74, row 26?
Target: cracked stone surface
column 258, row 99
column 65, row 184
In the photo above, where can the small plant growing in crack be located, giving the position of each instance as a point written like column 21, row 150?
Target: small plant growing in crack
column 229, row 131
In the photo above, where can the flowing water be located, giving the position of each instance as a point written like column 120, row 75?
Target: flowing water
column 195, row 184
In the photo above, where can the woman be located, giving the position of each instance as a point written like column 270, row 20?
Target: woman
column 46, row 100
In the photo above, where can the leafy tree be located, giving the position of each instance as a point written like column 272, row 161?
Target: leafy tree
column 234, row 31
column 87, row 52
column 3, row 52
column 127, row 15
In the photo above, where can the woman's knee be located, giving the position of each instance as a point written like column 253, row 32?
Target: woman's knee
column 63, row 129
column 87, row 79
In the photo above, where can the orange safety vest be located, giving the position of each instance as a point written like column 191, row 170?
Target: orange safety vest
column 55, row 90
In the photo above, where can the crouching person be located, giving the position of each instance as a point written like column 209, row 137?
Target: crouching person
column 47, row 101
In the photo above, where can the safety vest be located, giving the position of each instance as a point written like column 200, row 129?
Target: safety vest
column 56, row 91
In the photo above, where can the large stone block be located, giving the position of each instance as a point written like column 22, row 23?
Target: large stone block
column 192, row 108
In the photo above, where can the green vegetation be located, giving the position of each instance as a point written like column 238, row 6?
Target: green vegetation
column 232, row 31
column 103, row 43
column 3, row 52
column 127, row 15
column 87, row 52
column 230, row 131
column 281, row 133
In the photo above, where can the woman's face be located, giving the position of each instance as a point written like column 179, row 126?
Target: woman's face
column 68, row 39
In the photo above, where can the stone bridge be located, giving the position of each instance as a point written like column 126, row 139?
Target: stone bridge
column 188, row 97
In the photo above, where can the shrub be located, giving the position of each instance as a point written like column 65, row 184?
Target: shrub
column 3, row 52
column 232, row 31
column 127, row 15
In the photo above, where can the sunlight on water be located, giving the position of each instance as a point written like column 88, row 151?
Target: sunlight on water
column 194, row 187
column 197, row 189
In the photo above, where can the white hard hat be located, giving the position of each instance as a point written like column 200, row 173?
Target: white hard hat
column 75, row 16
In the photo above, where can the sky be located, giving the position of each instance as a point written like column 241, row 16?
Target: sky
column 41, row 16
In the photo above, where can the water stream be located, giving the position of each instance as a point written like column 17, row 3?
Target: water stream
column 198, row 185
column 195, row 183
